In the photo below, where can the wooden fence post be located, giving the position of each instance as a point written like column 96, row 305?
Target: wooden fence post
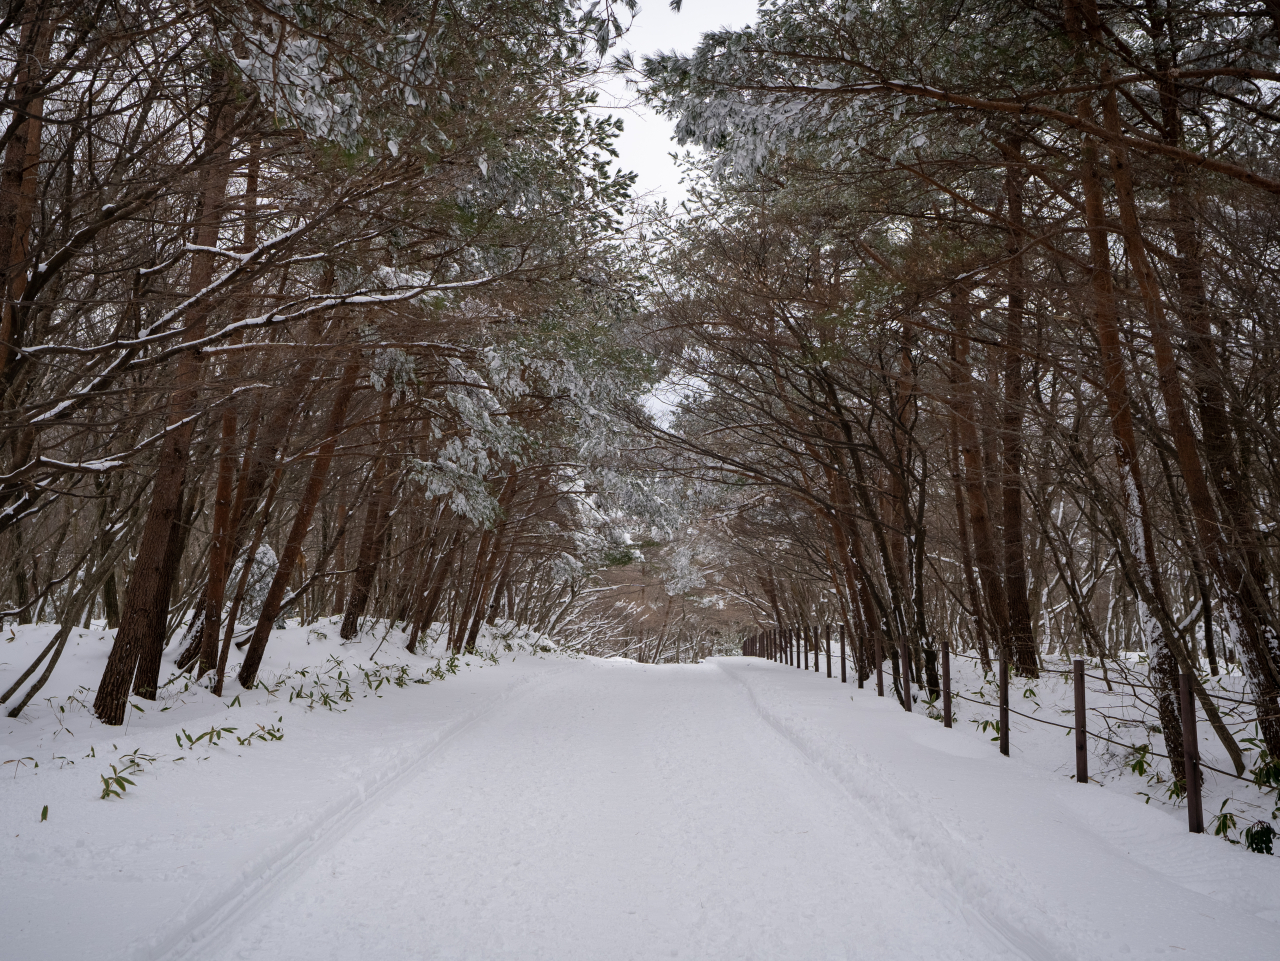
column 906, row 676
column 858, row 648
column 816, row 635
column 879, row 669
column 946, row 684
column 828, row 643
column 844, row 677
column 1082, row 745
column 1004, row 704
column 1191, row 757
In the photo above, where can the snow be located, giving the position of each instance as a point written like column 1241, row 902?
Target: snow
column 537, row 805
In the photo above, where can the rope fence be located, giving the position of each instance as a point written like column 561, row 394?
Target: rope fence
column 791, row 647
column 1125, row 679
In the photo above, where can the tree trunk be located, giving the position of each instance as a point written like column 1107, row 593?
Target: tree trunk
column 482, row 569
column 372, row 542
column 483, row 594
column 1234, row 554
column 462, row 619
column 233, row 614
column 147, row 677
column 1021, row 641
column 964, row 408
column 301, row 524
column 146, row 603
column 20, row 178
column 439, row 579
column 220, row 545
column 1164, row 670
column 966, row 548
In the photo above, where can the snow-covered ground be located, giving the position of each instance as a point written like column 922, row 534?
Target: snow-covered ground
column 1123, row 713
column 535, row 805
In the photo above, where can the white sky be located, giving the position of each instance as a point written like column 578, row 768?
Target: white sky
column 645, row 144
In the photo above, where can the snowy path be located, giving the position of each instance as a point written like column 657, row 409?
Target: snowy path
column 615, row 813
column 578, row 809
column 618, row 811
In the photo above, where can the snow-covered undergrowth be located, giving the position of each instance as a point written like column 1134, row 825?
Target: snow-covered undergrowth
column 1124, row 713
column 306, row 668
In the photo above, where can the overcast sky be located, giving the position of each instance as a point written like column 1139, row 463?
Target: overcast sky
column 645, row 144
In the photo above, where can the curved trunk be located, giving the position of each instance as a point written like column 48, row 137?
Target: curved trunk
column 298, row 531
column 1164, row 669
column 146, row 603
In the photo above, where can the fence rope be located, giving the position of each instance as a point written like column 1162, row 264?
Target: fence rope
column 1149, row 751
column 1122, row 677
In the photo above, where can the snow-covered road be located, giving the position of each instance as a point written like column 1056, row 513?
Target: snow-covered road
column 582, row 809
column 615, row 812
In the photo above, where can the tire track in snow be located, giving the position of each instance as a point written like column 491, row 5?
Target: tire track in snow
column 948, row 877
column 640, row 813
column 193, row 937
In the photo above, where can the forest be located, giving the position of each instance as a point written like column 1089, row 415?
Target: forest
column 343, row 309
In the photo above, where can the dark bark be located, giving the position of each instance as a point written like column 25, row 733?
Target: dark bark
column 20, row 178
column 220, row 546
column 110, row 601
column 1021, row 640
column 964, row 409
column 233, row 614
column 966, row 548
column 1230, row 540
column 1164, row 670
column 372, row 541
column 146, row 603
column 147, row 678
column 301, row 524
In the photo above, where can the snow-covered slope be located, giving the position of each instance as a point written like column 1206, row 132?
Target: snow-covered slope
column 545, row 806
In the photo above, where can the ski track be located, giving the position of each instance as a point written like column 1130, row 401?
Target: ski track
column 195, row 935
column 949, row 870
column 650, row 813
